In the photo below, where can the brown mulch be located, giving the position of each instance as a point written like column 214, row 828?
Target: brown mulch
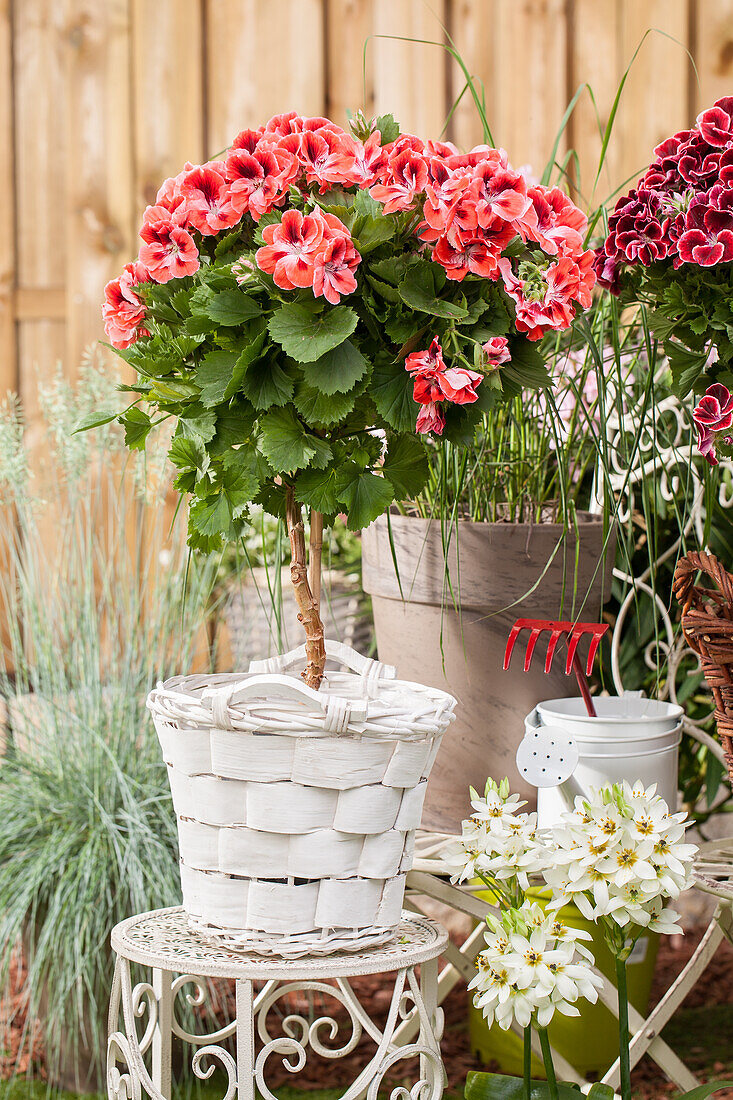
column 712, row 993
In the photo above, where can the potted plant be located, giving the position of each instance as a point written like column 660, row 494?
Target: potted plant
column 501, row 529
column 669, row 247
column 284, row 311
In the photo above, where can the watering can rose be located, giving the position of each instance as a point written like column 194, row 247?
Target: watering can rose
column 313, row 303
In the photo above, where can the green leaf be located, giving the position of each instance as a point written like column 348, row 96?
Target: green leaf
column 371, row 227
column 317, row 489
column 526, row 370
column 266, row 384
column 364, row 495
column 306, row 336
column 599, row 1091
column 234, row 425
column 406, row 465
column 137, row 427
column 321, row 409
column 214, row 375
column 93, row 420
column 703, row 1091
column 388, row 128
column 284, row 441
column 188, row 454
column 419, row 289
column 686, row 365
column 248, row 355
column 232, row 307
column 197, row 422
column 495, row 1086
column 391, row 391
column 338, row 370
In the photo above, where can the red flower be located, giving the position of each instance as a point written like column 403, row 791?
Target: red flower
column 290, row 123
column 496, row 351
column 545, row 299
column 169, row 251
column 123, row 311
column 321, row 153
column 430, row 419
column 458, row 384
column 554, row 221
column 706, row 444
column 426, row 362
column 256, row 179
column 408, row 175
column 207, row 200
column 290, row 252
column 500, row 193
column 716, row 124
column 248, row 140
column 708, row 238
column 333, row 269
column 360, row 164
column 473, row 256
column 637, row 229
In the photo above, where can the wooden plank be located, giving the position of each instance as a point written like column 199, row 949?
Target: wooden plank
column 713, row 52
column 8, row 350
column 410, row 79
column 167, row 92
column 349, row 23
column 40, row 303
column 595, row 26
column 40, row 179
column 530, row 78
column 261, row 59
column 473, row 30
column 654, row 102
column 99, row 201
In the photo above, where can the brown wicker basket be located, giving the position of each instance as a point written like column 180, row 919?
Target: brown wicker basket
column 707, row 624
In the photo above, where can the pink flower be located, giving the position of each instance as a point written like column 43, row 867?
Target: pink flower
column 255, row 180
column 501, row 193
column 426, row 362
column 496, row 351
column 408, row 175
column 322, row 153
column 123, row 311
column 458, row 385
column 248, row 140
column 208, row 201
column 333, row 269
column 708, row 238
column 360, row 164
column 554, row 221
column 290, row 252
column 430, row 419
column 473, row 256
column 169, row 251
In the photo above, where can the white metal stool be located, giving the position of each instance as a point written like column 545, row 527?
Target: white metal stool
column 181, row 960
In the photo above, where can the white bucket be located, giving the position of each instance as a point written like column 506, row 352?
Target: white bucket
column 632, row 738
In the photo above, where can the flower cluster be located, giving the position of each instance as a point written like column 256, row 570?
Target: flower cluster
column 434, row 382
column 620, row 855
column 682, row 207
column 713, row 416
column 532, row 967
column 498, row 843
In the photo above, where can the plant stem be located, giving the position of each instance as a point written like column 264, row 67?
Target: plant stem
column 527, row 1068
column 623, row 1029
column 549, row 1065
column 314, row 556
column 315, row 649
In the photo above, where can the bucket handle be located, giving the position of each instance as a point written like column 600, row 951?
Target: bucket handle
column 336, row 711
column 370, row 671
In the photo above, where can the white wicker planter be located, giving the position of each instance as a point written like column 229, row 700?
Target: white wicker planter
column 297, row 809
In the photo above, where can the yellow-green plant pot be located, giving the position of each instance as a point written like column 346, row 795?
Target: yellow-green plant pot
column 589, row 1042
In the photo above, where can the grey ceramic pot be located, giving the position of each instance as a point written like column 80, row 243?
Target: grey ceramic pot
column 418, row 628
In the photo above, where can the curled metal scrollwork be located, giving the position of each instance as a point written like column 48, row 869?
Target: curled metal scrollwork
column 216, row 1054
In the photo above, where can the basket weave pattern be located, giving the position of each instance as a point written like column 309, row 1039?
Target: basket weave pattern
column 297, row 810
column 707, row 623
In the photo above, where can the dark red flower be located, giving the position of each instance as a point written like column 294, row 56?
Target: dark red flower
column 714, row 410
column 708, row 236
column 716, row 124
column 637, row 229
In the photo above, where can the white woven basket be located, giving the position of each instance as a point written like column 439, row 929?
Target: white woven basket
column 297, row 809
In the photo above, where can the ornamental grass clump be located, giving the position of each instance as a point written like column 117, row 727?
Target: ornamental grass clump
column 669, row 247
column 313, row 304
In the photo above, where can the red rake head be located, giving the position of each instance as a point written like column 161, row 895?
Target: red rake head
column 574, row 631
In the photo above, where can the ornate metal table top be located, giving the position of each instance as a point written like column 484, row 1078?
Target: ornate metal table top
column 163, row 940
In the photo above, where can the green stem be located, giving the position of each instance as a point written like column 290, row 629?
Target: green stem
column 549, row 1065
column 623, row 1028
column 527, row 1062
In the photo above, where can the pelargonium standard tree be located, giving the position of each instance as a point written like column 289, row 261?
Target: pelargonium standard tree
column 670, row 246
column 316, row 307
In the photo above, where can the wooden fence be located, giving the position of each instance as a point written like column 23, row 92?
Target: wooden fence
column 101, row 99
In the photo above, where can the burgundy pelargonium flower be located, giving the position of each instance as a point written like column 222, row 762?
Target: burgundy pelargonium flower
column 713, row 416
column 637, row 229
column 699, row 162
column 716, row 123
column 708, row 236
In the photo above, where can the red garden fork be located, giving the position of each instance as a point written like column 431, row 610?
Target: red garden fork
column 575, row 632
